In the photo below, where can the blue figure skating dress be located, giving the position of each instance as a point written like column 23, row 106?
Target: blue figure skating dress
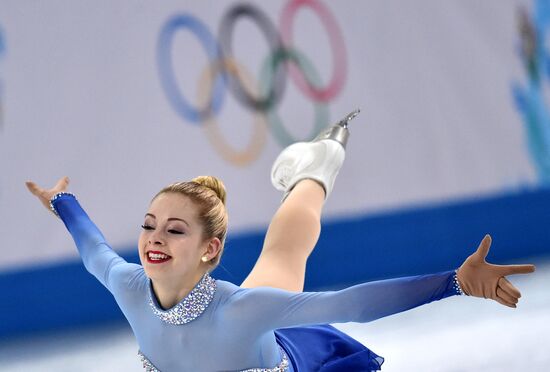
column 219, row 326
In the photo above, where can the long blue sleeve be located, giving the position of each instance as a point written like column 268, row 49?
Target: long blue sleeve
column 270, row 308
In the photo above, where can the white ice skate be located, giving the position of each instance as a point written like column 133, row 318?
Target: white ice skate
column 319, row 160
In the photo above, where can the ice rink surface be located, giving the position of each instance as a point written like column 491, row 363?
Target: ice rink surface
column 457, row 334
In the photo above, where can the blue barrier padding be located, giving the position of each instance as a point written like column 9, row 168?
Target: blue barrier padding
column 416, row 241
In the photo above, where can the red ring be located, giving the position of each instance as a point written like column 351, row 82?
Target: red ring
column 339, row 71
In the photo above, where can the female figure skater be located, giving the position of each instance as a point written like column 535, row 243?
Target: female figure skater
column 184, row 320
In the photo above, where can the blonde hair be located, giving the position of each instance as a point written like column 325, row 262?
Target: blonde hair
column 208, row 193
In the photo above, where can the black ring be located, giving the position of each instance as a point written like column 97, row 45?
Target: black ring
column 275, row 42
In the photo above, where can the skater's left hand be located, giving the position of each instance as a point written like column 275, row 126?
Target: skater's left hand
column 479, row 278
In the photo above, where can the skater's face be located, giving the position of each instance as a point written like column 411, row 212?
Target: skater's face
column 171, row 243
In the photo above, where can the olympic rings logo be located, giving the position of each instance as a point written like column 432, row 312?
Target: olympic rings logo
column 260, row 95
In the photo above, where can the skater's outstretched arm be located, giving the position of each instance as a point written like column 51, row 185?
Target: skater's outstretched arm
column 272, row 308
column 98, row 257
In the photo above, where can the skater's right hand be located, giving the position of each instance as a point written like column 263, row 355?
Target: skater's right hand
column 45, row 195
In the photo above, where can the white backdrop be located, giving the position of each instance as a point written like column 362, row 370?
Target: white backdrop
column 81, row 95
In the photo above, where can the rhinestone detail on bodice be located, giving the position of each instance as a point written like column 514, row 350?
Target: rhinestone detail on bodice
column 191, row 307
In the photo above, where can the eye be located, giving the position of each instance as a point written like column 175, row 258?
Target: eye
column 172, row 231
column 147, row 227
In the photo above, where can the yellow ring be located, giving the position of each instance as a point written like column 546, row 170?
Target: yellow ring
column 257, row 141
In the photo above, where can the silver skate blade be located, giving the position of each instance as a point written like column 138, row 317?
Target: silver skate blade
column 338, row 132
column 344, row 122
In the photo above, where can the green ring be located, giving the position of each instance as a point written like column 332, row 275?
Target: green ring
column 281, row 134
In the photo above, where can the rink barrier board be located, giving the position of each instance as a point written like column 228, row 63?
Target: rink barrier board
column 352, row 250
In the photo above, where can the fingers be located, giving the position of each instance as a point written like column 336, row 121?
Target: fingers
column 62, row 184
column 507, row 294
column 505, row 303
column 33, row 188
column 507, row 287
column 484, row 246
column 505, row 270
column 506, row 297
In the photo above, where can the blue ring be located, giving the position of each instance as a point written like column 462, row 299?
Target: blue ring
column 166, row 70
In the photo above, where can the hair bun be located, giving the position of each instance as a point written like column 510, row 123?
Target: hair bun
column 212, row 183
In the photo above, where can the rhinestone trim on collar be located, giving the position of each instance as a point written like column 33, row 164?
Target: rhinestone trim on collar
column 191, row 307
column 281, row 367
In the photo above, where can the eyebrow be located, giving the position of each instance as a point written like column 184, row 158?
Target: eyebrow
column 170, row 219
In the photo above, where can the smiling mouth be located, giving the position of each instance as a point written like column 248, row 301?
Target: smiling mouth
column 157, row 257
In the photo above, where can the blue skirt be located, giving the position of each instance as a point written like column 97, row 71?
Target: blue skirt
column 323, row 348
